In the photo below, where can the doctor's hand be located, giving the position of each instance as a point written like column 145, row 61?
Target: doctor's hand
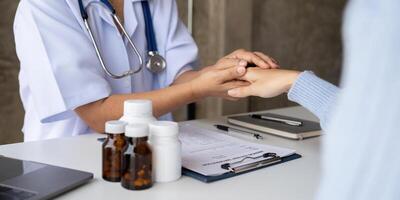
column 265, row 83
column 216, row 80
column 257, row 58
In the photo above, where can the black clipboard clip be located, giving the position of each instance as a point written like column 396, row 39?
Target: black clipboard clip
column 270, row 158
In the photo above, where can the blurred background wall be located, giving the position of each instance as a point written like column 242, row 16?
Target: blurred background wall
column 304, row 35
column 11, row 111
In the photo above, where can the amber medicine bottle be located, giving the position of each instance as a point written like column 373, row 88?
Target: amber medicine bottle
column 112, row 150
column 137, row 158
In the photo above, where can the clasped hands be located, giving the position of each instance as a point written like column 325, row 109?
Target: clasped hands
column 231, row 79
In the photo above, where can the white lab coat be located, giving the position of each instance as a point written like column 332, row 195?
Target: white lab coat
column 60, row 70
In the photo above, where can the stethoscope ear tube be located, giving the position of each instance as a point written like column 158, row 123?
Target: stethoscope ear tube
column 97, row 49
column 82, row 10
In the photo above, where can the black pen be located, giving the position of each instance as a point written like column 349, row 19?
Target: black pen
column 279, row 120
column 237, row 132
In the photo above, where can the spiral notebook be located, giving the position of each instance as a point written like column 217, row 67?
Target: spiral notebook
column 210, row 156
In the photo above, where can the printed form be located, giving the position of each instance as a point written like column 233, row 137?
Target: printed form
column 204, row 151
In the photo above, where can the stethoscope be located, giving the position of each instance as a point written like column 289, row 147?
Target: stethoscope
column 155, row 63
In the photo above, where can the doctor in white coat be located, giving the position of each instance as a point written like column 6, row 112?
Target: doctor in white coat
column 64, row 89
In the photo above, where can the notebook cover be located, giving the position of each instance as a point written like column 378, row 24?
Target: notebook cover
column 307, row 126
column 209, row 179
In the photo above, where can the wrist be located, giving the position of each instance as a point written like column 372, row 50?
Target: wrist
column 196, row 92
column 186, row 77
column 291, row 79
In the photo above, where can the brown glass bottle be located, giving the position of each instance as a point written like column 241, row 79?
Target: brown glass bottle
column 137, row 159
column 112, row 151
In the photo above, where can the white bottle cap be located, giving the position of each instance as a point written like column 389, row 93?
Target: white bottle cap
column 115, row 127
column 139, row 108
column 137, row 130
column 164, row 129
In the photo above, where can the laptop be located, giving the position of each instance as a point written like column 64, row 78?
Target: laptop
column 26, row 180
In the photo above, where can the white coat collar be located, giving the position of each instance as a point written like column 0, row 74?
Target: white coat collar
column 130, row 24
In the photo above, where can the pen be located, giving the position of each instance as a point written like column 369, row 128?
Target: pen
column 280, row 120
column 237, row 132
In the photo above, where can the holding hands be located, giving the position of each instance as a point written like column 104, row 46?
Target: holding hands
column 230, row 77
column 228, row 73
column 218, row 79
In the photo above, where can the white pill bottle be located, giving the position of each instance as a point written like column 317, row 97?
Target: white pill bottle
column 166, row 147
column 138, row 111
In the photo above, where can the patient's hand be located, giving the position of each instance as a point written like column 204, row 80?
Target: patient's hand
column 265, row 83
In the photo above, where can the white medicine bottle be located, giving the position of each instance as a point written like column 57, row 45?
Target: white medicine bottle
column 138, row 111
column 166, row 147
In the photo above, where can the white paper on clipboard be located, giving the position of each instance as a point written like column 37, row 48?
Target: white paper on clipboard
column 204, row 151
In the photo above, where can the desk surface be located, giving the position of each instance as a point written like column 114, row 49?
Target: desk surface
column 296, row 179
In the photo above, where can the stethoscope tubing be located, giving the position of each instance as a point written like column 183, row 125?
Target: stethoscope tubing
column 150, row 35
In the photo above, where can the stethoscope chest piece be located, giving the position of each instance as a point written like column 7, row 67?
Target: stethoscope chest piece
column 155, row 63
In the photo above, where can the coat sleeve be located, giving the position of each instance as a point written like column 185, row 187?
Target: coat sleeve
column 57, row 60
column 180, row 50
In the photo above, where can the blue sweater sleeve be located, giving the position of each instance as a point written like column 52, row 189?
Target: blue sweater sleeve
column 315, row 94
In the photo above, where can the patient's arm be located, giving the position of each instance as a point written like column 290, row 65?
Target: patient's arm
column 306, row 89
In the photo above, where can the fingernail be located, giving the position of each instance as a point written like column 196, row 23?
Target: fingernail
column 243, row 63
column 241, row 70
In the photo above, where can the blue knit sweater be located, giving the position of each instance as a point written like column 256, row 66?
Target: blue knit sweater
column 315, row 94
column 361, row 151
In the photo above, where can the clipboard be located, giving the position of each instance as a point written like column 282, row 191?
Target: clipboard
column 236, row 169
